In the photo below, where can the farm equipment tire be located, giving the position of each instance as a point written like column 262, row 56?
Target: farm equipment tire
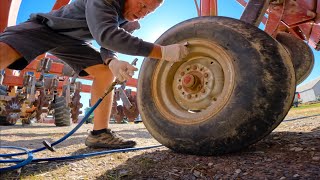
column 5, row 121
column 61, row 112
column 236, row 86
column 301, row 55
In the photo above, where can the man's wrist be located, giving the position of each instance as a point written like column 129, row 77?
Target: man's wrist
column 108, row 61
column 156, row 52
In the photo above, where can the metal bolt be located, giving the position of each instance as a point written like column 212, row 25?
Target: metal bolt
column 194, row 67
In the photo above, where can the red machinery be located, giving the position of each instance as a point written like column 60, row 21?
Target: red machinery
column 53, row 66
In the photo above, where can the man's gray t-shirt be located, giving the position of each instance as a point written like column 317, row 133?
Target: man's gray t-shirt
column 98, row 20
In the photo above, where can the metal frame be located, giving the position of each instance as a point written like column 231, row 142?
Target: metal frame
column 298, row 17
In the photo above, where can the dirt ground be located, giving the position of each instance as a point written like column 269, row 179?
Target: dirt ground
column 291, row 151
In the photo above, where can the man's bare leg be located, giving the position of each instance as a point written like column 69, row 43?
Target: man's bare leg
column 8, row 55
column 103, row 78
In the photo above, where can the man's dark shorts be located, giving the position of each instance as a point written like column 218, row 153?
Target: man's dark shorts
column 32, row 39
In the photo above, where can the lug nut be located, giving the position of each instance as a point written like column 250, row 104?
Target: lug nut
column 179, row 87
column 194, row 67
column 203, row 91
column 206, row 75
column 182, row 73
column 189, row 96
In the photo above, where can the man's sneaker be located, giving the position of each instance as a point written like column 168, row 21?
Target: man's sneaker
column 109, row 140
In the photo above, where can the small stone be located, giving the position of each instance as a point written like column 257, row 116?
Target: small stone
column 74, row 169
column 282, row 178
column 296, row 175
column 210, row 164
column 196, row 173
column 296, row 149
column 238, row 171
column 316, row 158
column 123, row 172
column 258, row 152
column 73, row 165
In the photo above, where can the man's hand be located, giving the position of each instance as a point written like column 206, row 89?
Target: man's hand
column 122, row 70
column 174, row 52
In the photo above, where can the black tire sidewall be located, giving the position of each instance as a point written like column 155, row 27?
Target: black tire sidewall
column 257, row 104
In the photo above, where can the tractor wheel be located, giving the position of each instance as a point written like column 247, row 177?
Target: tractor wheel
column 301, row 55
column 9, row 120
column 236, row 85
column 61, row 112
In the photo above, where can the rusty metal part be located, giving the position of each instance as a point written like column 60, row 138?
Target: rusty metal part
column 211, row 67
column 276, row 12
column 255, row 11
column 40, row 102
column 44, row 65
column 208, row 7
column 119, row 115
column 133, row 112
column 75, row 104
column 2, row 108
column 13, row 109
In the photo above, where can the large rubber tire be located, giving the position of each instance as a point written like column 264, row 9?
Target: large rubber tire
column 301, row 55
column 61, row 112
column 248, row 87
column 4, row 121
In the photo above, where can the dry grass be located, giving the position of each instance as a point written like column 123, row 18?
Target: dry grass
column 305, row 110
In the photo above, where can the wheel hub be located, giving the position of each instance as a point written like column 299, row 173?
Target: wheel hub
column 193, row 81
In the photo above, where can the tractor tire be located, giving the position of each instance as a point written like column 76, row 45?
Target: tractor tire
column 243, row 87
column 5, row 121
column 61, row 112
column 301, row 55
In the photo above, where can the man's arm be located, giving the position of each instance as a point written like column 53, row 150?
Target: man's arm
column 102, row 19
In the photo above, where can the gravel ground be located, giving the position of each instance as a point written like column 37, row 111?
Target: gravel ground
column 291, row 151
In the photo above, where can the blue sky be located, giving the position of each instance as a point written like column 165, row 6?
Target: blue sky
column 169, row 14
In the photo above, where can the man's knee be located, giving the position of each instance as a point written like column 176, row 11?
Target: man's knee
column 100, row 72
column 8, row 55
